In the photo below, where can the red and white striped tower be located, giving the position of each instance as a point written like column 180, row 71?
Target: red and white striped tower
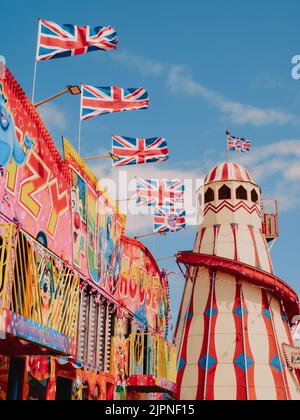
column 235, row 313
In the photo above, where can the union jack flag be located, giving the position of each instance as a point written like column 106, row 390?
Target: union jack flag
column 238, row 144
column 103, row 100
column 160, row 192
column 168, row 220
column 132, row 151
column 56, row 41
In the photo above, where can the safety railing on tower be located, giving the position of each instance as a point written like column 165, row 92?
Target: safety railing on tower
column 152, row 363
column 39, row 297
column 270, row 219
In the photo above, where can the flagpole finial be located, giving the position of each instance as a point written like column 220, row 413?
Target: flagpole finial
column 227, row 132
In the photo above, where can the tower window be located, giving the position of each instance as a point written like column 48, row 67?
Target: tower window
column 241, row 193
column 224, row 193
column 254, row 196
column 209, row 196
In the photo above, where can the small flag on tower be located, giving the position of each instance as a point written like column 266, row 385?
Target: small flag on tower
column 57, row 41
column 237, row 144
column 104, row 100
column 160, row 192
column 134, row 151
column 168, row 220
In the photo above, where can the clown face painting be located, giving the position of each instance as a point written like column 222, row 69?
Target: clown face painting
column 46, row 290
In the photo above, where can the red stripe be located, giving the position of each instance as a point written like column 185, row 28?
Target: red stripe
column 278, row 379
column 248, row 175
column 257, row 261
column 213, row 174
column 233, row 208
column 225, row 172
column 185, row 338
column 240, row 374
column 234, row 228
column 211, row 350
column 216, row 234
column 251, row 378
column 203, row 230
column 238, row 172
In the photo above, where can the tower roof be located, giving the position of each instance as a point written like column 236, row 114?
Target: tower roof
column 228, row 171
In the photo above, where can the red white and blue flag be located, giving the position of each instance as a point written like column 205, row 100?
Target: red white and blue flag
column 238, row 144
column 160, row 192
column 57, row 41
column 104, row 100
column 134, row 151
column 168, row 220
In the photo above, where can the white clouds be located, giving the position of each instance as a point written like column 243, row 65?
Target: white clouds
column 180, row 82
column 142, row 64
column 53, row 117
column 278, row 166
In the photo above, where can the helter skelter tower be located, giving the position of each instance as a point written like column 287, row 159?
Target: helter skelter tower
column 235, row 313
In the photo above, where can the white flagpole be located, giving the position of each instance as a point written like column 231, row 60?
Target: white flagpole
column 35, row 63
column 34, row 81
column 79, row 128
column 79, row 136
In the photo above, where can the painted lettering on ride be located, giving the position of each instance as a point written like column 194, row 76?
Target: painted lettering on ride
column 139, row 285
column 59, row 206
column 34, row 184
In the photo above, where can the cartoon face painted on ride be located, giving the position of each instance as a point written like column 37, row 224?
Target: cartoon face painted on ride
column 9, row 144
column 97, row 226
column 46, row 290
column 172, row 220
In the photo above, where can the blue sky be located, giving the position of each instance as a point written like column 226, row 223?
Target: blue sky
column 208, row 66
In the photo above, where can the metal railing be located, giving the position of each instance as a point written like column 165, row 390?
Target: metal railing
column 269, row 211
column 35, row 284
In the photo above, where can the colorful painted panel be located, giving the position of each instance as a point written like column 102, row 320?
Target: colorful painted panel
column 141, row 288
column 4, row 369
column 96, row 226
column 33, row 178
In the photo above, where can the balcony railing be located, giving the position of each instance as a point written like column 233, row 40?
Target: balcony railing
column 152, row 364
column 270, row 219
column 39, row 297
